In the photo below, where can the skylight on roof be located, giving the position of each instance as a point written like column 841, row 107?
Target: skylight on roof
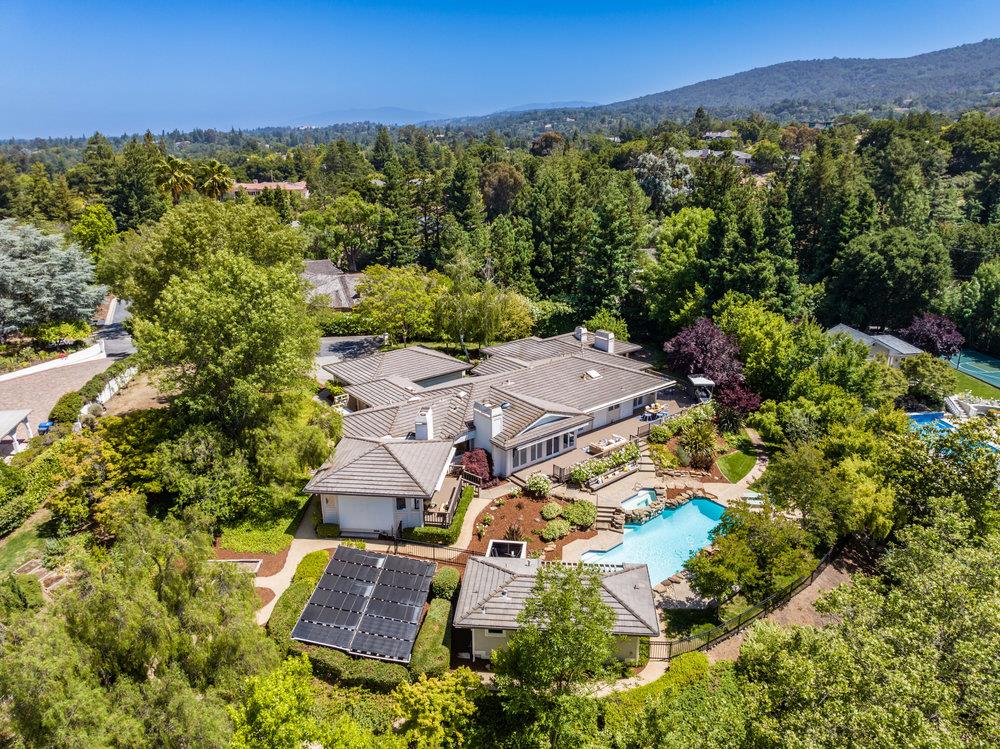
column 592, row 374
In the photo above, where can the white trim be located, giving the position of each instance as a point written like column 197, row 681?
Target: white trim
column 91, row 353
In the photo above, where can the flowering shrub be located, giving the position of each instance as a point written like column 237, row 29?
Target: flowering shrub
column 582, row 472
column 538, row 485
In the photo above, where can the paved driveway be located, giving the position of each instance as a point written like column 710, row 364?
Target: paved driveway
column 39, row 392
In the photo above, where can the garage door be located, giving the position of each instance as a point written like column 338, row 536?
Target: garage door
column 367, row 514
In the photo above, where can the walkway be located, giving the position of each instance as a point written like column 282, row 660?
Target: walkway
column 40, row 391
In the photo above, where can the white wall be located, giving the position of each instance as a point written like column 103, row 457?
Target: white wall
column 355, row 512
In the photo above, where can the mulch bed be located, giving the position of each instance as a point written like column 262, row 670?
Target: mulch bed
column 528, row 517
column 716, row 475
column 270, row 564
column 266, row 595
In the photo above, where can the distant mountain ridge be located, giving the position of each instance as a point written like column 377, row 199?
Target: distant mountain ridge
column 945, row 80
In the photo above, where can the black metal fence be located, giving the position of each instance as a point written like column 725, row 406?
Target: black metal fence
column 451, row 555
column 664, row 651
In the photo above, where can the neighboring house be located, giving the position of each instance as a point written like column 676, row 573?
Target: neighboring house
column 381, row 485
column 326, row 279
column 254, row 188
column 742, row 158
column 422, row 366
column 719, row 134
column 494, row 590
column 892, row 348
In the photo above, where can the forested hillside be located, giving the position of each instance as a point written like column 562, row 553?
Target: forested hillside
column 716, row 267
column 947, row 80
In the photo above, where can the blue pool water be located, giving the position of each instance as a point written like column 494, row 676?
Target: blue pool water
column 665, row 542
column 641, row 499
column 934, row 421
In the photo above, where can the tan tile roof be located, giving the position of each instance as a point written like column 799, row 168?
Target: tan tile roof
column 383, row 468
column 328, row 280
column 494, row 590
column 413, row 362
column 383, row 391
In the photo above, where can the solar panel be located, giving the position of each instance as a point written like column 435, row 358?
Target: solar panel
column 367, row 604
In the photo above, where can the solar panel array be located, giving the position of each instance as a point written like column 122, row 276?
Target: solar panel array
column 367, row 604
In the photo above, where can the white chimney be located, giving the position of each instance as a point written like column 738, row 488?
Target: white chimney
column 424, row 427
column 604, row 340
column 580, row 333
column 488, row 421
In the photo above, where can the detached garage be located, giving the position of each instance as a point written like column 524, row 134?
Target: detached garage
column 380, row 486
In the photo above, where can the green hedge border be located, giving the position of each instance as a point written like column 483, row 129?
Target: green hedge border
column 444, row 536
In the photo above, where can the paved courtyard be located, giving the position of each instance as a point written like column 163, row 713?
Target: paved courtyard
column 39, row 392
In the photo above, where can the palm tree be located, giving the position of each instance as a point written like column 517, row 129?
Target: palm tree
column 175, row 177
column 214, row 179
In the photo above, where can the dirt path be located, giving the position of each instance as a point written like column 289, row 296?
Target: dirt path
column 799, row 610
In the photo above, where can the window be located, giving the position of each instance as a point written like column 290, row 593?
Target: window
column 520, row 456
column 569, row 440
column 416, row 503
column 494, row 631
column 615, row 408
column 400, row 503
column 636, row 403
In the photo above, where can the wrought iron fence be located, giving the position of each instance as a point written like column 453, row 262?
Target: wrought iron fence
column 666, row 650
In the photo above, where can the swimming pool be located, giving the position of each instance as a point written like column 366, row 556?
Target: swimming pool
column 643, row 498
column 934, row 421
column 667, row 541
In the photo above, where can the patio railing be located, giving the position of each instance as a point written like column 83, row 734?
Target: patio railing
column 664, row 651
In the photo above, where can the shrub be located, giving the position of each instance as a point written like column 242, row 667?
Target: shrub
column 20, row 593
column 444, row 584
column 93, row 387
column 538, row 485
column 551, row 511
column 555, row 529
column 67, row 408
column 580, row 513
column 623, row 711
column 312, row 566
column 445, row 536
column 333, row 322
column 487, row 520
column 327, row 530
column 355, row 543
column 659, row 434
column 431, row 651
column 585, row 471
column 513, row 533
column 336, row 667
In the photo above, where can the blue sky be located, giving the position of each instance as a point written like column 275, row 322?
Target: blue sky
column 68, row 68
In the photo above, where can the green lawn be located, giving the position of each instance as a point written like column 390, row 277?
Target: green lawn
column 22, row 545
column 736, row 465
column 967, row 382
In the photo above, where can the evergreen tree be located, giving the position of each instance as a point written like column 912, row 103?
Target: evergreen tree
column 465, row 201
column 508, row 260
column 382, row 151
column 134, row 198
column 8, row 189
column 397, row 243
column 94, row 175
column 610, row 259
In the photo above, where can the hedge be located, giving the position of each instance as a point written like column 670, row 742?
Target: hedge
column 659, row 435
column 445, row 536
column 444, row 584
column 67, row 408
column 93, row 387
column 623, row 711
column 432, row 651
column 312, row 566
column 328, row 664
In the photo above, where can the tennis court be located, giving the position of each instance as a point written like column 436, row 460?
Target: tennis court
column 980, row 366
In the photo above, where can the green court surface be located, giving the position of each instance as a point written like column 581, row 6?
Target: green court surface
column 980, row 366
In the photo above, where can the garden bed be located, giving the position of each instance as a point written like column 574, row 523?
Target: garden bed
column 525, row 512
column 270, row 564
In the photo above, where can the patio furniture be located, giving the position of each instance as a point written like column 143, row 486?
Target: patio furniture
column 606, row 445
